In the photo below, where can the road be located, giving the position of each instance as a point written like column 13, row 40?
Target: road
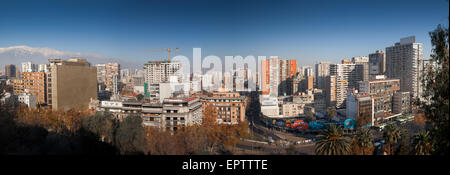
column 259, row 130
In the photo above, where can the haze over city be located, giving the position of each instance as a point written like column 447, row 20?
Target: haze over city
column 224, row 78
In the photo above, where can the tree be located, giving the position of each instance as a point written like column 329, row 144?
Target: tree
column 309, row 116
column 130, row 135
column 391, row 135
column 363, row 142
column 331, row 112
column 422, row 144
column 331, row 142
column 404, row 148
column 436, row 91
column 140, row 97
column 102, row 124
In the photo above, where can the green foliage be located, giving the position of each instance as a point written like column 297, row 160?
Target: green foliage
column 130, row 135
column 309, row 116
column 364, row 138
column 422, row 144
column 436, row 91
column 405, row 148
column 391, row 135
column 140, row 97
column 331, row 142
column 331, row 112
column 102, row 124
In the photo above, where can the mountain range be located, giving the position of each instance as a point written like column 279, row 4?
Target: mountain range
column 18, row 54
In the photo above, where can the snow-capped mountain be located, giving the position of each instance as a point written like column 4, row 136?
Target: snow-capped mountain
column 18, row 54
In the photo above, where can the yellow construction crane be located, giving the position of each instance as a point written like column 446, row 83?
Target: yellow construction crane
column 168, row 50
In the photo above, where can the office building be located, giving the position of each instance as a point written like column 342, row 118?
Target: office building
column 170, row 115
column 180, row 112
column 71, row 84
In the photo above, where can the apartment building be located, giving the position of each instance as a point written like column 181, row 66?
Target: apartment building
column 404, row 62
column 275, row 74
column 230, row 106
column 321, row 73
column 157, row 72
column 33, row 82
column 342, row 78
column 377, row 63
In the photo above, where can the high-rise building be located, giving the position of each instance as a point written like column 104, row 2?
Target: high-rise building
column 10, row 71
column 42, row 68
column 306, row 83
column 330, row 90
column 34, row 83
column 307, row 71
column 364, row 61
column 112, row 78
column 403, row 61
column 265, row 77
column 29, row 67
column 160, row 72
column 345, row 77
column 71, row 84
column 377, row 63
column 275, row 73
column 321, row 73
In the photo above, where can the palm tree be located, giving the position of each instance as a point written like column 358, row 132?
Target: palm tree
column 331, row 142
column 422, row 144
column 331, row 112
column 364, row 139
column 391, row 136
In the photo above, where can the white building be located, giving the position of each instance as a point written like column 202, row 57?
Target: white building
column 307, row 71
column 157, row 72
column 43, row 68
column 343, row 77
column 269, row 106
column 29, row 99
column 168, row 90
column 364, row 61
column 29, row 67
column 403, row 61
column 322, row 71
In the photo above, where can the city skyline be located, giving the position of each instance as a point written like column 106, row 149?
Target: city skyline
column 298, row 32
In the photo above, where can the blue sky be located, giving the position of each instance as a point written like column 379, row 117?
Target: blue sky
column 308, row 31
